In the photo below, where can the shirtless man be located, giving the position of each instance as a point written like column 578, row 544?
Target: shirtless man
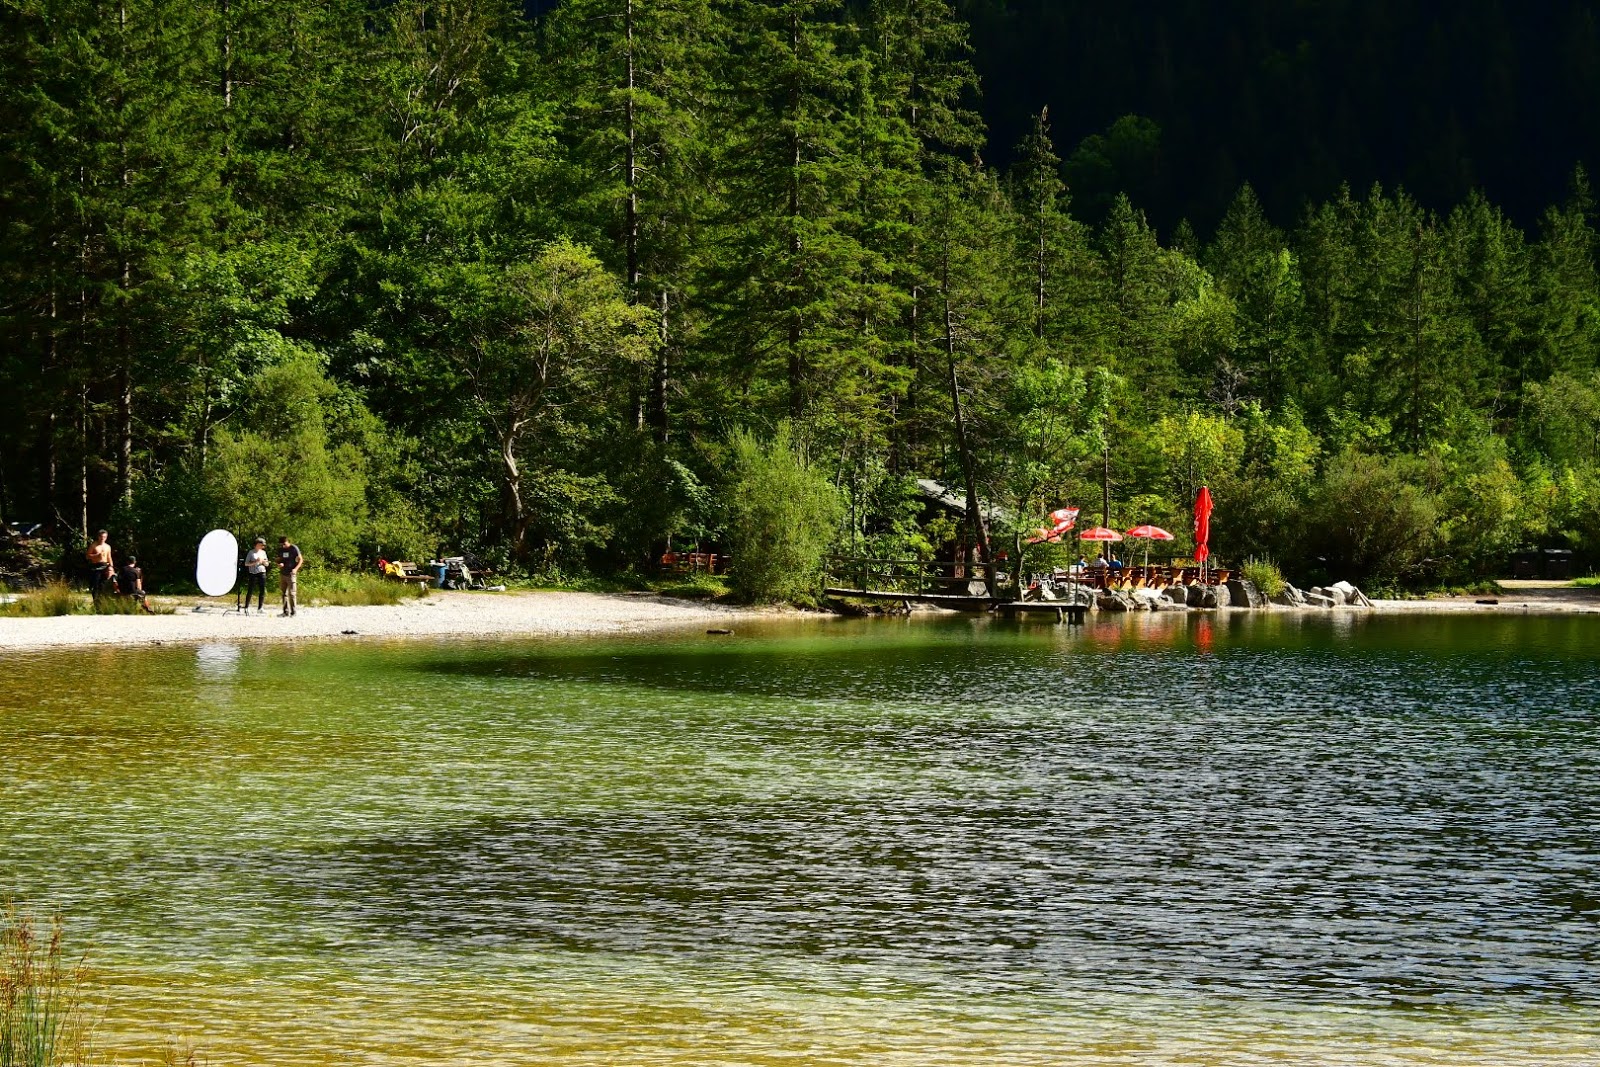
column 99, row 557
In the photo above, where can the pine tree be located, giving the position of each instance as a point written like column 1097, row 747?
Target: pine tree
column 639, row 73
column 794, row 279
column 1253, row 265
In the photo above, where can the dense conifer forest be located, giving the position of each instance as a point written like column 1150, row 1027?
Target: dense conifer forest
column 549, row 284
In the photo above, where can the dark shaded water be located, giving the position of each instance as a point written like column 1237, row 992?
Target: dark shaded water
column 1163, row 839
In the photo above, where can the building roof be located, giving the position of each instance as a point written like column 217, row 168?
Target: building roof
column 951, row 500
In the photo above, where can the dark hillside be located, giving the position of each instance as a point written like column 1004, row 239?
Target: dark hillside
column 1297, row 97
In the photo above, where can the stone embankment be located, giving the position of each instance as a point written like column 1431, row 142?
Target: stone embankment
column 1236, row 593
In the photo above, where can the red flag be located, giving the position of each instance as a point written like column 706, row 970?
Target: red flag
column 1202, row 525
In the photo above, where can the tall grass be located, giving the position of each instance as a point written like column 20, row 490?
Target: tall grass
column 52, row 598
column 59, row 598
column 341, row 589
column 41, row 1014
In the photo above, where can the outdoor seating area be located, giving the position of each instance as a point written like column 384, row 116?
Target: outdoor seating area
column 1154, row 576
column 449, row 572
column 673, row 562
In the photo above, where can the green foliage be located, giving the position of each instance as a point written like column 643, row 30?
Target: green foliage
column 782, row 516
column 1264, row 575
column 1371, row 516
column 280, row 473
column 342, row 589
column 381, row 277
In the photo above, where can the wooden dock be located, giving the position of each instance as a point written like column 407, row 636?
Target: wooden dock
column 1071, row 614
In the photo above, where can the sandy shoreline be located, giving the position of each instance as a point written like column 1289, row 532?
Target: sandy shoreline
column 441, row 614
column 478, row 615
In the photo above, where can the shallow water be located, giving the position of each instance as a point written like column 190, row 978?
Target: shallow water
column 1152, row 840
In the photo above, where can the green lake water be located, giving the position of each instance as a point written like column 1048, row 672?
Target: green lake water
column 1153, row 840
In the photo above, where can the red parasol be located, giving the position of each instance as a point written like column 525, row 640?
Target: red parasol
column 1099, row 533
column 1202, row 525
column 1148, row 533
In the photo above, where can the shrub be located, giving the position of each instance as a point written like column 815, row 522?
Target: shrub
column 782, row 517
column 1265, row 576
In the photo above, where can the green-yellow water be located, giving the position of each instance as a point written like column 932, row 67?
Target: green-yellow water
column 1161, row 840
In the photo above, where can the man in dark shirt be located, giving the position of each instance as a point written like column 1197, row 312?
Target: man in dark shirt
column 130, row 581
column 289, row 560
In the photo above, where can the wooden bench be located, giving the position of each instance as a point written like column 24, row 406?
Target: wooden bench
column 401, row 571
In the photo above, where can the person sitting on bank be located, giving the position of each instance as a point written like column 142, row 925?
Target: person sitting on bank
column 255, row 575
column 130, row 582
column 99, row 557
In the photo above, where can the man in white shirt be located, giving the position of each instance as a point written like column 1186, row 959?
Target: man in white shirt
column 255, row 575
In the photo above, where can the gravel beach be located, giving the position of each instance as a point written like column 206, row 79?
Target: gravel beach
column 440, row 614
column 461, row 614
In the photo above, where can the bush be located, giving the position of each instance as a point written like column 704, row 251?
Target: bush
column 1372, row 518
column 782, row 517
column 1265, row 576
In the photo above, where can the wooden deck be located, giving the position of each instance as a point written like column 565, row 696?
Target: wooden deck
column 954, row 601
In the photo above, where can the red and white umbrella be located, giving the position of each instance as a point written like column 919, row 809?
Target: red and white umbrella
column 1099, row 533
column 1063, row 519
column 1148, row 533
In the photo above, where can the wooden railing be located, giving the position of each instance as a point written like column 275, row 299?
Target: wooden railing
column 911, row 576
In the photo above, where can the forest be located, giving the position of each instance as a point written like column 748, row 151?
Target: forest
column 563, row 286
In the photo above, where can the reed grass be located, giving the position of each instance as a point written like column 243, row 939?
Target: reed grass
column 41, row 1012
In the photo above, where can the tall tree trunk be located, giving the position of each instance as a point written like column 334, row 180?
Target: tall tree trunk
column 631, row 136
column 124, row 394
column 659, row 380
column 797, row 394
column 517, row 517
column 975, row 516
column 124, row 334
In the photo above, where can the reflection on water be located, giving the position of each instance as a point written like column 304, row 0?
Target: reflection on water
column 217, row 660
column 1186, row 839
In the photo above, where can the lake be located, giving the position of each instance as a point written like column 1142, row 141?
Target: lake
column 1171, row 839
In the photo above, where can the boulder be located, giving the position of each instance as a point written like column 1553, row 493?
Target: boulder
column 1290, row 597
column 1317, row 600
column 1151, row 599
column 1195, row 595
column 1331, row 594
column 1242, row 593
column 1216, row 596
column 1111, row 602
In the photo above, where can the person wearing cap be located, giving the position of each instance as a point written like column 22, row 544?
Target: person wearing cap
column 289, row 561
column 255, row 575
